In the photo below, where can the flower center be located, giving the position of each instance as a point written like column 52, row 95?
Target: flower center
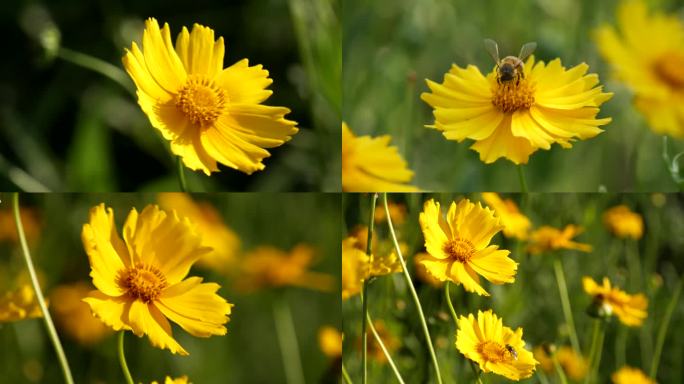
column 201, row 100
column 143, row 282
column 493, row 351
column 459, row 249
column 670, row 69
column 511, row 96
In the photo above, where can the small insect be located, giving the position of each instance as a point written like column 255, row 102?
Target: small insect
column 512, row 351
column 510, row 67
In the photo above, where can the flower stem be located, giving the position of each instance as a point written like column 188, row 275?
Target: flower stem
column 597, row 337
column 476, row 372
column 345, row 375
column 122, row 359
column 542, row 376
column 96, row 65
column 364, row 296
column 181, row 175
column 447, row 295
column 559, row 369
column 384, row 349
column 287, row 339
column 52, row 332
column 521, row 176
column 620, row 347
column 662, row 331
column 416, row 301
column 565, row 302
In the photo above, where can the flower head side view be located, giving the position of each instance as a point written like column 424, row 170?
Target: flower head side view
column 208, row 114
column 141, row 282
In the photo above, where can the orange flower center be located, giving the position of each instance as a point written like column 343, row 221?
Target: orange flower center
column 669, row 68
column 459, row 249
column 493, row 351
column 513, row 95
column 144, row 282
column 201, row 100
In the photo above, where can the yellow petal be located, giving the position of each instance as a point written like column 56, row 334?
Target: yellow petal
column 198, row 51
column 502, row 143
column 198, row 310
column 134, row 63
column 245, row 84
column 161, row 58
column 146, row 319
column 113, row 311
column 261, row 125
column 494, row 265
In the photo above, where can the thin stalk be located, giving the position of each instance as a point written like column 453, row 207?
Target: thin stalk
column 559, row 369
column 662, row 331
column 620, row 347
column 96, row 65
column 521, row 176
column 447, row 295
column 565, row 302
column 476, row 372
column 597, row 337
column 47, row 319
column 364, row 297
column 384, row 349
column 345, row 375
column 181, row 174
column 287, row 339
column 542, row 376
column 416, row 301
column 122, row 359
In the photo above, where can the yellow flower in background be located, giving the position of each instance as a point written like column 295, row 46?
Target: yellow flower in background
column 546, row 239
column 169, row 380
column 459, row 247
column 630, row 309
column 421, row 271
column 140, row 280
column 354, row 268
column 624, row 223
column 383, row 259
column 19, row 304
column 516, row 225
column 330, row 341
column 647, row 53
column 574, row 365
column 209, row 114
column 30, row 219
column 370, row 164
column 494, row 347
column 225, row 244
column 397, row 213
column 74, row 317
column 629, row 375
column 551, row 104
column 268, row 266
column 392, row 343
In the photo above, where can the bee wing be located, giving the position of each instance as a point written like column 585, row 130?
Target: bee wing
column 492, row 48
column 527, row 50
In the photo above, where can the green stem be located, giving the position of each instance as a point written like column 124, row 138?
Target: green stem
column 47, row 319
column 100, row 66
column 447, row 295
column 364, row 297
column 287, row 339
column 542, row 376
column 384, row 349
column 559, row 369
column 662, row 331
column 345, row 375
column 122, row 359
column 416, row 301
column 521, row 176
column 620, row 347
column 476, row 372
column 181, row 174
column 565, row 302
column 598, row 334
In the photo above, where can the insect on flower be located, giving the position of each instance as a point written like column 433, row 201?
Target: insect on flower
column 512, row 351
column 510, row 67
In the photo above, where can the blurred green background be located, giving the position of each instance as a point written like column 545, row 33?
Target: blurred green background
column 249, row 353
column 532, row 301
column 390, row 48
column 66, row 128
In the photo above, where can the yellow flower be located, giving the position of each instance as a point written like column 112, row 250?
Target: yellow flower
column 397, row 213
column 180, row 380
column 383, row 259
column 648, row 55
column 516, row 225
column 575, row 366
column 224, row 242
column 74, row 316
column 19, row 304
column 330, row 341
column 207, row 113
column 630, row 309
column 29, row 219
column 357, row 266
column 140, row 279
column 494, row 347
column 421, row 271
column 549, row 105
column 629, row 375
column 268, row 266
column 547, row 238
column 372, row 165
column 459, row 247
column 624, row 223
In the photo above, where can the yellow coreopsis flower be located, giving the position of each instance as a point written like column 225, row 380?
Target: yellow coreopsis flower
column 573, row 364
column 624, row 223
column 647, row 53
column 383, row 258
column 546, row 238
column 141, row 282
column 459, row 248
column 74, row 316
column 225, row 244
column 19, row 304
column 370, row 164
column 516, row 225
column 629, row 375
column 169, row 380
column 330, row 341
column 513, row 119
column 208, row 113
column 630, row 309
column 494, row 347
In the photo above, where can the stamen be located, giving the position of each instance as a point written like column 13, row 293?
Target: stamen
column 143, row 282
column 669, row 68
column 201, row 100
column 493, row 351
column 513, row 95
column 459, row 249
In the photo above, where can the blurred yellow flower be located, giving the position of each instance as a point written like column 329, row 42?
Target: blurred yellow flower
column 372, row 165
column 29, row 219
column 74, row 317
column 459, row 247
column 357, row 266
column 574, row 365
column 225, row 244
column 139, row 279
column 169, row 380
column 648, row 55
column 629, row 375
column 624, row 223
column 330, row 341
column 19, row 304
column 549, row 105
column 383, row 259
column 207, row 113
column 392, row 343
column 421, row 271
column 397, row 213
column 546, row 239
column 494, row 347
column 630, row 309
column 268, row 266
column 516, row 225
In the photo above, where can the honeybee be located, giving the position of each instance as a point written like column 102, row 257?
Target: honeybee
column 512, row 351
column 510, row 67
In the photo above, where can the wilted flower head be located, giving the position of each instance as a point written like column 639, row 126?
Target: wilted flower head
column 546, row 239
column 608, row 300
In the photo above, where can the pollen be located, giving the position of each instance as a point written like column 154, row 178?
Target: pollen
column 493, row 352
column 143, row 282
column 668, row 68
column 201, row 100
column 459, row 249
column 513, row 95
